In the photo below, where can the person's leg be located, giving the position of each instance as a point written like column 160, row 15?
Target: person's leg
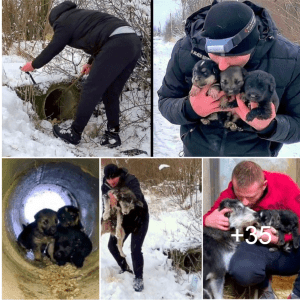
column 137, row 239
column 118, row 53
column 121, row 261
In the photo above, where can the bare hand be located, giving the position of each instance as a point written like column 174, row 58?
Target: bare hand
column 86, row 69
column 242, row 110
column 218, row 220
column 27, row 67
column 204, row 105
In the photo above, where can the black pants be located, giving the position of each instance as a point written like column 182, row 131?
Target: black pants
column 137, row 239
column 110, row 70
column 252, row 264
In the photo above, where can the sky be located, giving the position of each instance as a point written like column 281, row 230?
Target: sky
column 162, row 10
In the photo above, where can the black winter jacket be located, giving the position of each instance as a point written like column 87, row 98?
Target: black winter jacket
column 273, row 54
column 83, row 29
column 138, row 215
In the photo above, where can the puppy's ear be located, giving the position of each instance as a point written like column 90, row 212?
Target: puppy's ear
column 244, row 72
column 37, row 215
column 272, row 84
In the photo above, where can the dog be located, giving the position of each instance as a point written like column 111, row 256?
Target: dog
column 260, row 87
column 206, row 72
column 219, row 246
column 231, row 81
column 39, row 234
column 69, row 216
column 284, row 221
column 113, row 216
column 71, row 245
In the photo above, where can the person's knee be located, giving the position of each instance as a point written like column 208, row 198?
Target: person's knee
column 246, row 273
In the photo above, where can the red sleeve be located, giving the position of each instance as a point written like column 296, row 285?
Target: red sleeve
column 292, row 202
column 228, row 193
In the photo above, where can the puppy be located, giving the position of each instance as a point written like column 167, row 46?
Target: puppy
column 206, row 72
column 232, row 81
column 113, row 216
column 39, row 234
column 71, row 245
column 219, row 246
column 284, row 221
column 260, row 87
column 69, row 216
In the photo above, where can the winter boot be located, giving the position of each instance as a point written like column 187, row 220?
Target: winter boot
column 111, row 138
column 138, row 284
column 67, row 135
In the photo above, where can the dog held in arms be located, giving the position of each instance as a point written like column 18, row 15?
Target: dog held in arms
column 113, row 215
column 219, row 246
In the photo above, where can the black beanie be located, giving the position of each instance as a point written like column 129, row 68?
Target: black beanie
column 60, row 9
column 112, row 171
column 225, row 20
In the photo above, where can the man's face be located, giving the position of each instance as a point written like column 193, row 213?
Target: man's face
column 251, row 194
column 113, row 181
column 226, row 61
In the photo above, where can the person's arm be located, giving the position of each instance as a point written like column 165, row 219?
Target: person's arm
column 228, row 193
column 59, row 41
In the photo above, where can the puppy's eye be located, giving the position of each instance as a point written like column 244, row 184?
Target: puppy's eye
column 223, row 82
column 237, row 81
column 45, row 222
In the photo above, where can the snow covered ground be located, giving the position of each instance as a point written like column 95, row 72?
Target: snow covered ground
column 166, row 136
column 160, row 279
column 24, row 137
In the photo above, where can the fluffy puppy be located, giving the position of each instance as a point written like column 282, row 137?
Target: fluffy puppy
column 260, row 87
column 69, row 216
column 71, row 245
column 206, row 72
column 39, row 234
column 232, row 81
column 284, row 221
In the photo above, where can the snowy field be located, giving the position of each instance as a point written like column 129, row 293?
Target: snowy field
column 24, row 137
column 167, row 142
column 161, row 281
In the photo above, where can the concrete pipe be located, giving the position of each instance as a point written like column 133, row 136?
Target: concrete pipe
column 30, row 185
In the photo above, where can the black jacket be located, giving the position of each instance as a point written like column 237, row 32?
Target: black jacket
column 273, row 54
column 83, row 29
column 138, row 215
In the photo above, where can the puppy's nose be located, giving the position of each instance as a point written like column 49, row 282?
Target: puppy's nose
column 52, row 229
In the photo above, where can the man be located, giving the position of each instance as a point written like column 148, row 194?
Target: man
column 114, row 49
column 232, row 33
column 135, row 223
column 258, row 189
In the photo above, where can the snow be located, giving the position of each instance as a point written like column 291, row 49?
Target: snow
column 161, row 281
column 167, row 142
column 24, row 135
column 161, row 167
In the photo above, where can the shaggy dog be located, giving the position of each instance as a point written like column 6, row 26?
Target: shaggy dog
column 206, row 72
column 260, row 87
column 71, row 245
column 69, row 216
column 39, row 234
column 219, row 246
column 113, row 216
column 284, row 221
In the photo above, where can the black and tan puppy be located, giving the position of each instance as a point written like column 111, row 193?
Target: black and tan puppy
column 284, row 221
column 69, row 216
column 232, row 81
column 206, row 72
column 260, row 87
column 39, row 234
column 71, row 245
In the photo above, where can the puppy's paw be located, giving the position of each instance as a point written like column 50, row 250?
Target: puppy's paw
column 205, row 121
column 213, row 92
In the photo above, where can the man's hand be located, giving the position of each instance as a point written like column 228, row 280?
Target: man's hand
column 27, row 67
column 242, row 110
column 86, row 69
column 217, row 219
column 204, row 105
column 113, row 200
